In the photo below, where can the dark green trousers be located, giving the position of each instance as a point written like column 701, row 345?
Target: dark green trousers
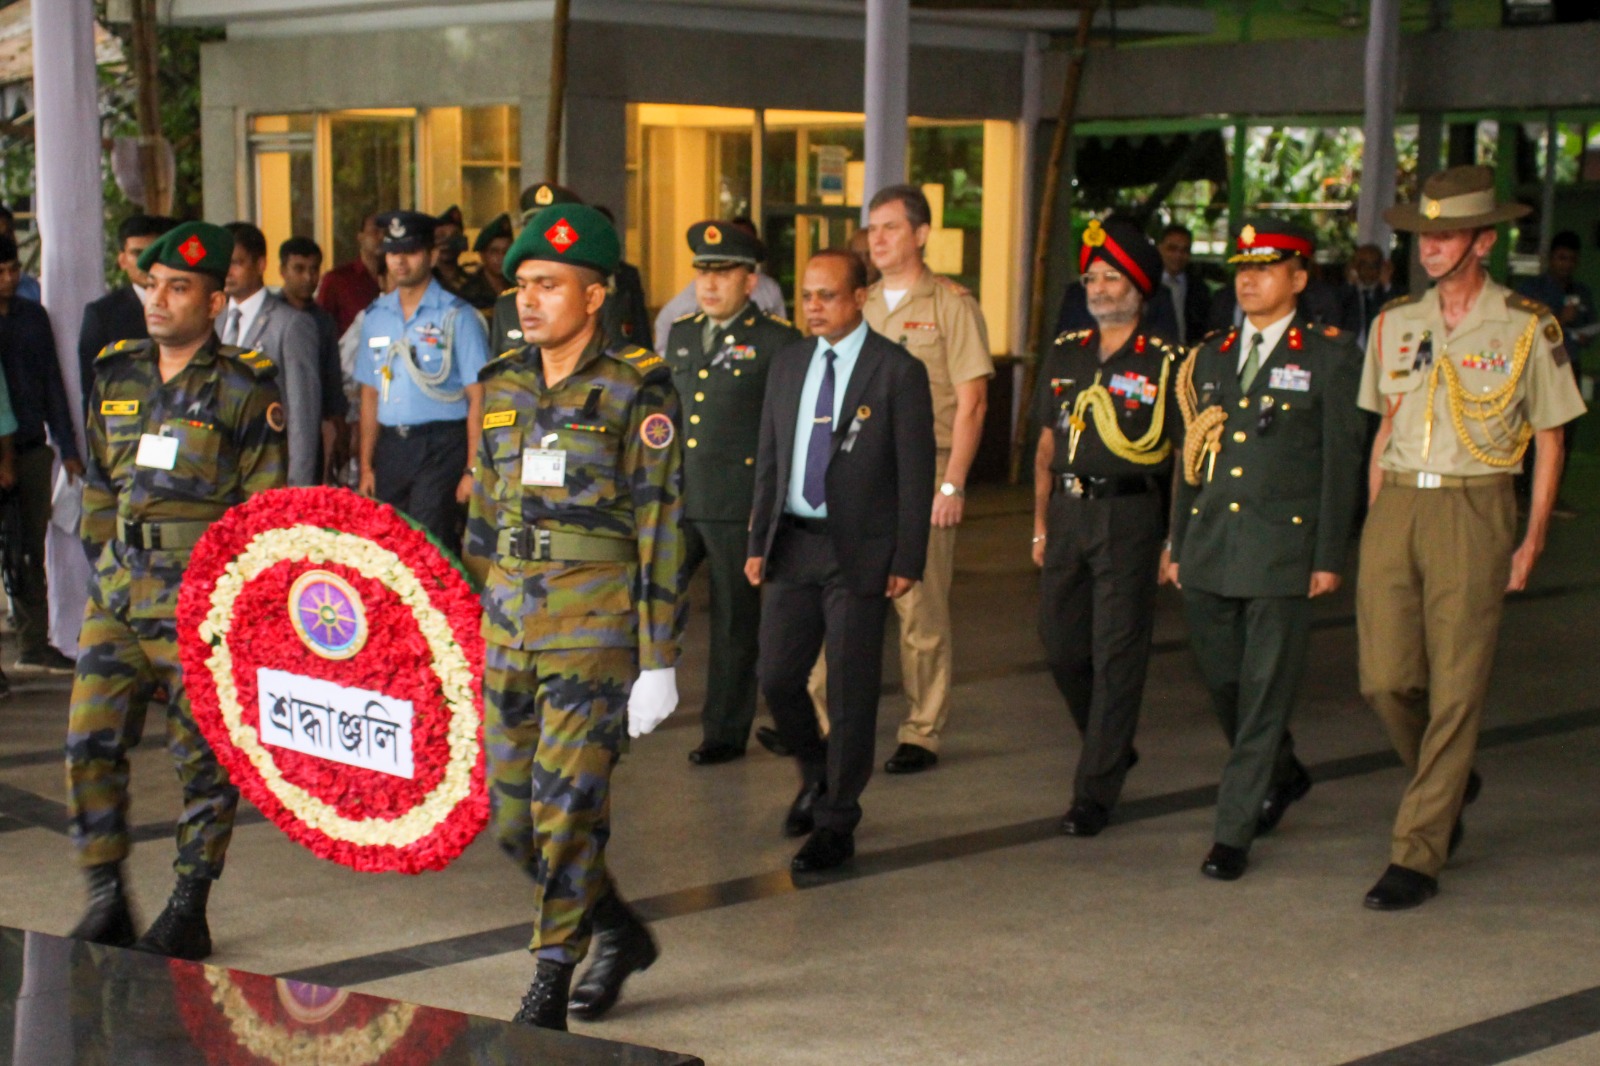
column 730, row 706
column 1252, row 655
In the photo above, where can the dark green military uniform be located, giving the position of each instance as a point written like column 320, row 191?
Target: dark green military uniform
column 720, row 370
column 581, row 593
column 478, row 290
column 144, row 506
column 1275, row 502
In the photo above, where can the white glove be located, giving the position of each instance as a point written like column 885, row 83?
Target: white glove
column 655, row 695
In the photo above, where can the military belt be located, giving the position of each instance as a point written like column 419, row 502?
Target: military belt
column 1095, row 488
column 547, row 545
column 160, row 536
column 1421, row 479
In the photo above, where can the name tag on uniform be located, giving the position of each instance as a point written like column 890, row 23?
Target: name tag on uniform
column 1291, row 378
column 498, row 419
column 157, row 452
column 378, row 342
column 544, row 466
column 119, row 407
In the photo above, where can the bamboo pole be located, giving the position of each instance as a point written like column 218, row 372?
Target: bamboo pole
column 147, row 108
column 558, row 90
column 1065, row 116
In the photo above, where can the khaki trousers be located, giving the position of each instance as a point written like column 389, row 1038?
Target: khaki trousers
column 1434, row 565
column 924, row 648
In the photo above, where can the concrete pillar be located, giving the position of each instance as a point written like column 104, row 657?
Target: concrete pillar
column 1382, row 81
column 71, row 214
column 888, row 62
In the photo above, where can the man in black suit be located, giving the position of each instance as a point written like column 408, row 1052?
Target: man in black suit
column 1366, row 294
column 838, row 528
column 119, row 314
column 1190, row 298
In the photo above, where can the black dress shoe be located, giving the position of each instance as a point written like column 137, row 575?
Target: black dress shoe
column 1458, row 831
column 768, row 738
column 623, row 946
column 826, row 849
column 1225, row 862
column 1279, row 799
column 911, row 759
column 798, row 822
column 1401, row 889
column 709, row 754
column 1085, row 820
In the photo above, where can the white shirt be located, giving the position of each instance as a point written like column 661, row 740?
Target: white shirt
column 1269, row 338
column 892, row 297
column 845, row 353
column 142, row 293
column 249, row 311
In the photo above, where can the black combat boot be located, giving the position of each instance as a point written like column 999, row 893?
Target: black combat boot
column 180, row 931
column 109, row 919
column 545, row 1004
column 622, row 946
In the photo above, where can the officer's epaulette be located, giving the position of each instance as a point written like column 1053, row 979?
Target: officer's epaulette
column 509, row 292
column 650, row 366
column 504, row 361
column 1168, row 350
column 124, row 347
column 260, row 367
column 1073, row 335
column 1528, row 304
column 692, row 316
column 1398, row 301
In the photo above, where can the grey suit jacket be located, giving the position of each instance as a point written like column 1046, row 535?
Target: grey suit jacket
column 289, row 338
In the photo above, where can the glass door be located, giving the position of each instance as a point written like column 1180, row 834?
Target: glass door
column 372, row 166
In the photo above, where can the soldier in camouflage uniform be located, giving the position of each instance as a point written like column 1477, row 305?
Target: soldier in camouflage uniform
column 573, row 532
column 624, row 321
column 180, row 428
column 719, row 358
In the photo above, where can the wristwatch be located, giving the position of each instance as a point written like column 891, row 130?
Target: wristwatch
column 950, row 488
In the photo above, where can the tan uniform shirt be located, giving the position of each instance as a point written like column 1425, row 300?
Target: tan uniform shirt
column 1483, row 349
column 945, row 331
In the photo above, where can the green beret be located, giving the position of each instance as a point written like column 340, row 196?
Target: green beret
column 721, row 244
column 194, row 247
column 567, row 233
column 499, row 226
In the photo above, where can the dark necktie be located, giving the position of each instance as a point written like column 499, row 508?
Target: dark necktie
column 821, row 444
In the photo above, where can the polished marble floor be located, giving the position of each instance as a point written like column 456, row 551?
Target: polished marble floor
column 967, row 930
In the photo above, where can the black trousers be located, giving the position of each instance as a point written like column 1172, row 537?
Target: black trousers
column 418, row 473
column 730, row 706
column 35, row 466
column 806, row 604
column 1096, row 614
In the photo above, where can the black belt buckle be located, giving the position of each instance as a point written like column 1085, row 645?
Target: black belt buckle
column 1073, row 485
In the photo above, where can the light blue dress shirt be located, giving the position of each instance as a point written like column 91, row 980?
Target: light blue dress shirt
column 845, row 354
column 383, row 323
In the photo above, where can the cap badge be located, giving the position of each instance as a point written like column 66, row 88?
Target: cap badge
column 544, row 197
column 561, row 236
column 1094, row 235
column 192, row 250
column 713, row 235
column 1430, row 207
column 1247, row 236
column 397, row 229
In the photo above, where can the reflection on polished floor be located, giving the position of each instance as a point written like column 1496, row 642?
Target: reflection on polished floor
column 967, row 930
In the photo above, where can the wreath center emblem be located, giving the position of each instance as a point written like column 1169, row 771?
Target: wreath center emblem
column 327, row 614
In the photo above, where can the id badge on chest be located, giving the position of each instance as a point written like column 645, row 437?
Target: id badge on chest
column 157, row 452
column 544, row 465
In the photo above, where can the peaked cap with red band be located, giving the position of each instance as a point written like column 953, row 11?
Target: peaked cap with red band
column 1272, row 240
column 575, row 234
column 194, row 247
column 1123, row 245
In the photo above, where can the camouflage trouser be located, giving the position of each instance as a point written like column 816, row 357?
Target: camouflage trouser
column 118, row 662
column 553, row 726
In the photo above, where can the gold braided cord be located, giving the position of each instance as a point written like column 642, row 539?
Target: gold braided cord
column 1149, row 449
column 1202, row 429
column 1504, row 446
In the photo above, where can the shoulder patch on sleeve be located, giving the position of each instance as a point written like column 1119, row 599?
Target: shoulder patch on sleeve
column 692, row 316
column 1528, row 304
column 780, row 320
column 1398, row 301
column 649, row 365
column 260, row 367
column 123, row 347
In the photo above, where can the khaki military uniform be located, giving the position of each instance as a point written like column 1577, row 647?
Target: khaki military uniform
column 580, row 592
column 145, row 504
column 946, row 332
column 1437, row 546
column 720, row 371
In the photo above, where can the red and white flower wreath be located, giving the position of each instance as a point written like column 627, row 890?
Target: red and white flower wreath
column 425, row 646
